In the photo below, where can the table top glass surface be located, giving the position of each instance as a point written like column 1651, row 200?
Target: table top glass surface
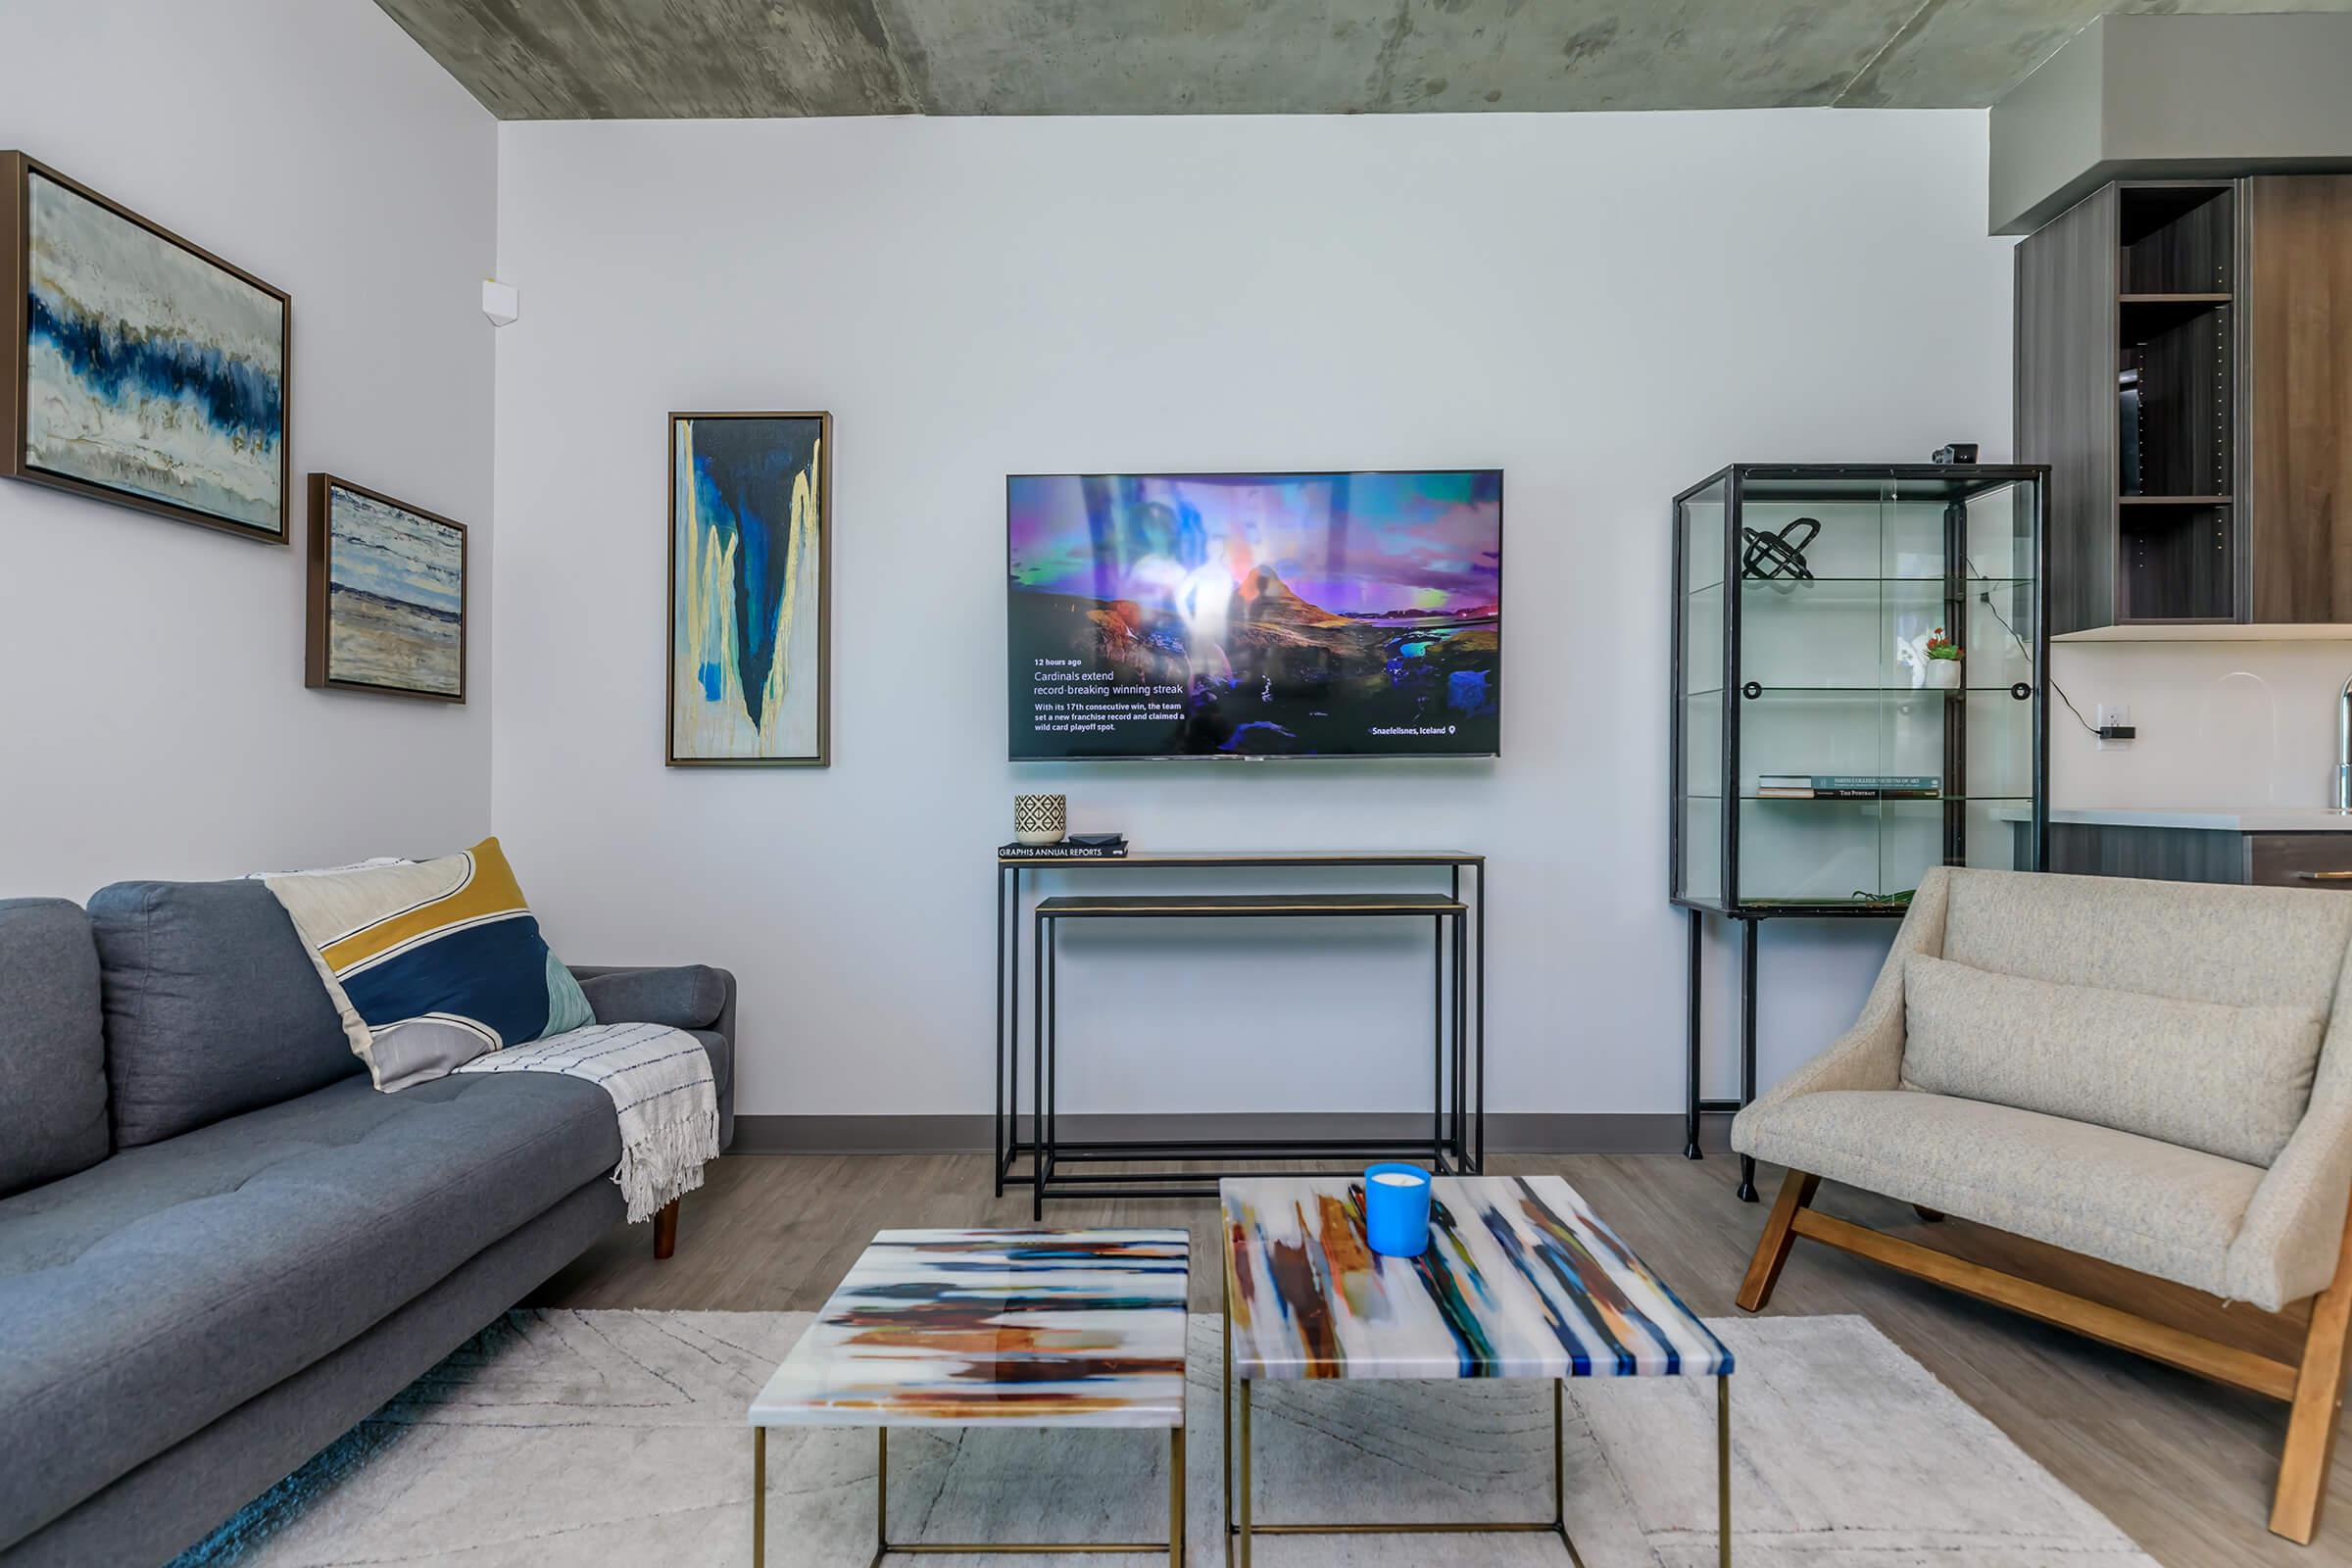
column 994, row 1327
column 1521, row 1280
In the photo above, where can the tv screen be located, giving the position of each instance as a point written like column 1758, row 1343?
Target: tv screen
column 1255, row 615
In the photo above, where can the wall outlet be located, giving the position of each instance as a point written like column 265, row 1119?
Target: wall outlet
column 2112, row 716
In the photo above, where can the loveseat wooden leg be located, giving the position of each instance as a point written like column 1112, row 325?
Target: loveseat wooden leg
column 1772, row 1248
column 2319, row 1394
column 666, row 1230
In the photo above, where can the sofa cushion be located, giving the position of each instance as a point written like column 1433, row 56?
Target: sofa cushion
column 52, row 1044
column 146, row 1297
column 179, row 1495
column 212, row 1006
column 2134, row 1201
column 2229, row 1081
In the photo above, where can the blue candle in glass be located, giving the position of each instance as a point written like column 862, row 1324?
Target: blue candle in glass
column 1397, row 1210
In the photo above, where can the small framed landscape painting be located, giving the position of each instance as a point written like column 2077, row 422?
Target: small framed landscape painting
column 140, row 369
column 750, row 556
column 387, row 595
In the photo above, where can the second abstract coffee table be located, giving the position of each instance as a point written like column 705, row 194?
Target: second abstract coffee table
column 1521, row 1280
column 992, row 1328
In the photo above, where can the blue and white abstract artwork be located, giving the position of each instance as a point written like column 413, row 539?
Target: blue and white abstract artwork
column 747, row 604
column 150, row 369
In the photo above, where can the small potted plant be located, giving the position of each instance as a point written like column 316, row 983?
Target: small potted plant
column 1943, row 666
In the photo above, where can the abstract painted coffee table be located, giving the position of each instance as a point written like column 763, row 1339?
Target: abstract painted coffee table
column 992, row 1328
column 1521, row 1280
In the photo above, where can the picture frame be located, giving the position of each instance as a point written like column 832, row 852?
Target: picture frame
column 139, row 368
column 378, row 597
column 749, row 491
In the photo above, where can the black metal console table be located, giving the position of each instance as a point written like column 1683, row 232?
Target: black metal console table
column 1456, row 1139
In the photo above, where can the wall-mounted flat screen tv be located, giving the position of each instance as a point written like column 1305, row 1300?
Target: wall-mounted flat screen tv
column 1255, row 615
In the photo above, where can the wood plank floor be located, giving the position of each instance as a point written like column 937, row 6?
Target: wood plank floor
column 2184, row 1466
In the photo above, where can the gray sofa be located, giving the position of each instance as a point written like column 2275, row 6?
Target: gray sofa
column 220, row 1247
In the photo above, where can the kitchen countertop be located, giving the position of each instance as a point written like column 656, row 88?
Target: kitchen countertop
column 2212, row 818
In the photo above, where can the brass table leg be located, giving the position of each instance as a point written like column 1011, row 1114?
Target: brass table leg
column 881, row 1496
column 1556, row 1524
column 1176, row 1497
column 1723, row 1470
column 1244, row 1467
column 1560, row 1459
column 759, row 1497
column 1225, row 1418
column 885, row 1548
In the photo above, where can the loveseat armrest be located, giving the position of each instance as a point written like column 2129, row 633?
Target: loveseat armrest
column 2285, row 1248
column 1870, row 1054
column 689, row 996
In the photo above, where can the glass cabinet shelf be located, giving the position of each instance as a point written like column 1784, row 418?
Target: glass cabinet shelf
column 1935, row 577
column 1844, row 691
column 1885, row 647
column 1884, row 796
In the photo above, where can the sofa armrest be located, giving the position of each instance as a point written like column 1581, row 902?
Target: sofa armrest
column 1870, row 1054
column 691, row 995
column 2286, row 1248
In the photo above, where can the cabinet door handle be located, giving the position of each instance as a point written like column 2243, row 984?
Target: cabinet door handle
column 2324, row 876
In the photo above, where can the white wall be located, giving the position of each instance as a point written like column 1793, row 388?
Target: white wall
column 1608, row 307
column 2223, row 725
column 153, row 722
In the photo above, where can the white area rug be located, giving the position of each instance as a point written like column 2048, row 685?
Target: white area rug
column 597, row 1439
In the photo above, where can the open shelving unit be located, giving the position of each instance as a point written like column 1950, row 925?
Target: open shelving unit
column 2176, row 402
column 1813, row 668
column 2181, row 365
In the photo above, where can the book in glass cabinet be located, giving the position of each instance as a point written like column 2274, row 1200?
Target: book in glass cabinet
column 1828, row 748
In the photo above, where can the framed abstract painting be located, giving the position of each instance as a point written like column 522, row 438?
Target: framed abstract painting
column 140, row 369
column 387, row 595
column 751, row 542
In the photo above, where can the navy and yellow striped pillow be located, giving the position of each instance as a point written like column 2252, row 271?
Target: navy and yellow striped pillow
column 431, row 962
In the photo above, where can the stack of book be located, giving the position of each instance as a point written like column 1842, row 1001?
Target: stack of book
column 1849, row 786
column 1077, row 846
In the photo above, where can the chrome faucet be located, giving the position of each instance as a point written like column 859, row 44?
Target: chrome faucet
column 2343, row 750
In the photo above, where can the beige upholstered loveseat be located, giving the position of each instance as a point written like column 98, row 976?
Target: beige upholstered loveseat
column 2156, row 1074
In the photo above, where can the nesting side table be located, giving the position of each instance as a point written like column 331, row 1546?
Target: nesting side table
column 1521, row 1280
column 1009, row 1328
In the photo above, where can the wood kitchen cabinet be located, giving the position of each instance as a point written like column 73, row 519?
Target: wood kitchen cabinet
column 2298, row 381
column 2184, row 367
column 2300, row 860
column 2203, row 854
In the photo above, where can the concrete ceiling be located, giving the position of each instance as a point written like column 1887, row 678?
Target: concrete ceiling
column 727, row 58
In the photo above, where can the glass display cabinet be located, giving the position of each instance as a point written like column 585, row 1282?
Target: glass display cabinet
column 1858, row 696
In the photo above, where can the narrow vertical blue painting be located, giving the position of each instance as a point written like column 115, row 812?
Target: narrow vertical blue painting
column 151, row 373
column 749, row 542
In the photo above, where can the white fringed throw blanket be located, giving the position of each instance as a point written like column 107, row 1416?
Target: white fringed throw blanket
column 659, row 1080
column 437, row 966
